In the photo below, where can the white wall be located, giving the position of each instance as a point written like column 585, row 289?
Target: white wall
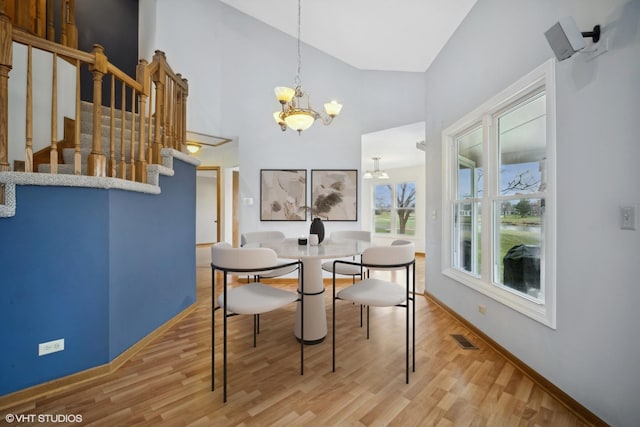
column 42, row 65
column 593, row 354
column 233, row 62
column 389, row 99
column 187, row 32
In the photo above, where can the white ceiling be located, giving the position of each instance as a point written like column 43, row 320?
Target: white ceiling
column 384, row 35
column 396, row 147
column 401, row 35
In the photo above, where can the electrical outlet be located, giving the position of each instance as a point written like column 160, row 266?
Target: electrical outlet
column 482, row 309
column 50, row 347
column 628, row 218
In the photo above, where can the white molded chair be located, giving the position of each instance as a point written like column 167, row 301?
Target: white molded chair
column 346, row 269
column 381, row 293
column 265, row 237
column 252, row 298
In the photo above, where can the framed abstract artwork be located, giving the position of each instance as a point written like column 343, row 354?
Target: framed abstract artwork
column 283, row 194
column 334, row 194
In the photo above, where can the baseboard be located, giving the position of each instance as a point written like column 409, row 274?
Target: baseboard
column 64, row 383
column 570, row 403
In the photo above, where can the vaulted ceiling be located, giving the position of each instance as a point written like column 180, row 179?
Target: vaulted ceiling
column 383, row 35
column 401, row 35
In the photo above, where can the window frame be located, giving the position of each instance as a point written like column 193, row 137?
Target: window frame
column 486, row 114
column 393, row 210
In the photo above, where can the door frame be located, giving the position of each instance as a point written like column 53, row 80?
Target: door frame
column 218, row 190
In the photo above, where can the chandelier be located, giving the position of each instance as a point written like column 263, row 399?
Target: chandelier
column 294, row 115
column 376, row 173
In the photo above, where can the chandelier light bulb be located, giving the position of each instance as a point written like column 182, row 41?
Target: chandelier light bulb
column 332, row 108
column 299, row 120
column 284, row 94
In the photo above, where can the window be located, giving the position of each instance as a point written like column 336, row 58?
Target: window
column 499, row 203
column 394, row 209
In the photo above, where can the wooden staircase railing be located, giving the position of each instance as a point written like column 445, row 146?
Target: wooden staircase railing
column 157, row 99
column 37, row 18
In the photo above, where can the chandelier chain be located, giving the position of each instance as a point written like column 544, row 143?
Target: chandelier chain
column 297, row 81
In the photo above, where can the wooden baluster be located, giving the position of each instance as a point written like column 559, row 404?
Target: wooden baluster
column 159, row 80
column 142, row 76
column 132, row 144
column 53, row 153
column 70, row 24
column 22, row 15
column 174, row 116
column 149, row 129
column 9, row 8
column 170, row 107
column 112, row 127
column 178, row 124
column 97, row 162
column 6, row 53
column 51, row 29
column 63, row 29
column 122, row 173
column 177, row 129
column 77, row 157
column 41, row 18
column 28, row 152
column 183, row 115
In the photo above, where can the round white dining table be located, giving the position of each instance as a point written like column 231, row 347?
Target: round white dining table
column 315, row 317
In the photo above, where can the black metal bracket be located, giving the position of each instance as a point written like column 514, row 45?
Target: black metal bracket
column 595, row 34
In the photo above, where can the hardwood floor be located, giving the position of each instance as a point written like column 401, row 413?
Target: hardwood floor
column 168, row 381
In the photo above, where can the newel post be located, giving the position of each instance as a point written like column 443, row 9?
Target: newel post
column 6, row 30
column 97, row 161
column 142, row 76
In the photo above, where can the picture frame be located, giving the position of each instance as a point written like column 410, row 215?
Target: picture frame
column 334, row 194
column 283, row 194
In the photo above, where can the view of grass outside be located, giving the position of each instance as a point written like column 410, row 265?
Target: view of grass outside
column 522, row 226
column 516, row 230
column 383, row 223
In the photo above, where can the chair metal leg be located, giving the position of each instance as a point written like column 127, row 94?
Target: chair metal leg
column 407, row 336
column 224, row 346
column 213, row 327
column 301, row 272
column 333, row 324
column 413, row 303
column 367, row 322
column 255, row 329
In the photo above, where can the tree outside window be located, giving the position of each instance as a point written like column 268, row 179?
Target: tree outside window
column 395, row 208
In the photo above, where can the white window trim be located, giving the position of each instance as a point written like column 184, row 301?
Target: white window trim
column 393, row 209
column 543, row 313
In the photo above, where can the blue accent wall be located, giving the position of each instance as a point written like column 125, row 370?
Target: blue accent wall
column 99, row 268
column 152, row 254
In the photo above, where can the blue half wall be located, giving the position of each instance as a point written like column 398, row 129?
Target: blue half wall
column 99, row 268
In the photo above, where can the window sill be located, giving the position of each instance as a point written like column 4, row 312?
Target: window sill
column 527, row 306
